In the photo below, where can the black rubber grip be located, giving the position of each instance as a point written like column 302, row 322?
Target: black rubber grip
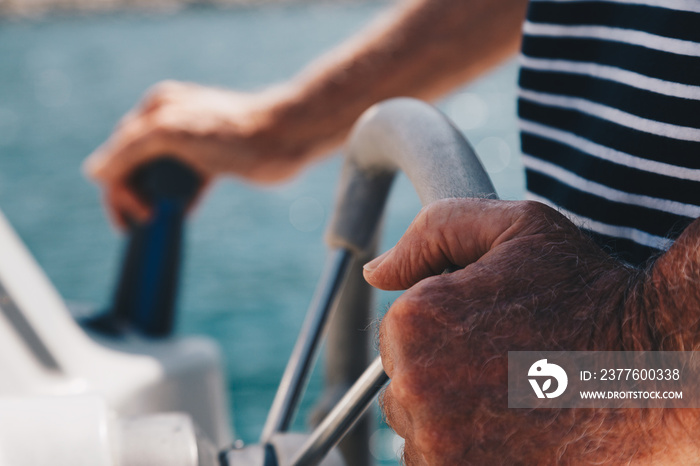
column 147, row 286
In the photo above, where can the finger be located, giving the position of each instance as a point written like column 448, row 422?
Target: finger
column 394, row 414
column 385, row 347
column 124, row 205
column 201, row 194
column 455, row 233
column 117, row 158
column 159, row 93
column 116, row 218
column 411, row 455
column 108, row 161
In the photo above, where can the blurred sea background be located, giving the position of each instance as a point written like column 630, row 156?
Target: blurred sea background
column 254, row 254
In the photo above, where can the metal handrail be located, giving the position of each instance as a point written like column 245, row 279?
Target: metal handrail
column 300, row 362
column 413, row 137
column 398, row 134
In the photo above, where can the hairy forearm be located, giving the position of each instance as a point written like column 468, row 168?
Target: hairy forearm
column 422, row 48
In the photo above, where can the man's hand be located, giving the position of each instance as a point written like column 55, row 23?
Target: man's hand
column 213, row 131
column 530, row 280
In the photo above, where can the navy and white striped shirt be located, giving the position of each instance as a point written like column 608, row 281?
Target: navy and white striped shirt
column 609, row 110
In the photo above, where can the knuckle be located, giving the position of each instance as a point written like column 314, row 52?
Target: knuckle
column 542, row 217
column 413, row 322
column 544, row 212
column 436, row 214
column 428, row 300
column 407, row 391
column 400, row 326
column 437, row 220
column 159, row 93
column 166, row 87
column 407, row 312
column 429, row 293
column 158, row 126
column 126, row 124
column 152, row 98
column 535, row 209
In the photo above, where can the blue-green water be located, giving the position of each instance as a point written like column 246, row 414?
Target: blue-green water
column 254, row 255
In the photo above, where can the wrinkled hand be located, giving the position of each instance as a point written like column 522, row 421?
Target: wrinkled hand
column 530, row 281
column 214, row 131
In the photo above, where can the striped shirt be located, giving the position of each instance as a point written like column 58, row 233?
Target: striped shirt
column 609, row 108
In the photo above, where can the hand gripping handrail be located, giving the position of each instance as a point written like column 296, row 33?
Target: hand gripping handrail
column 399, row 134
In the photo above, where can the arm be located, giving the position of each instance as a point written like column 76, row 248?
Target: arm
column 423, row 49
column 531, row 281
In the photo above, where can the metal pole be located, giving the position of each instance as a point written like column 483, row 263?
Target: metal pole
column 341, row 419
column 300, row 362
column 347, row 353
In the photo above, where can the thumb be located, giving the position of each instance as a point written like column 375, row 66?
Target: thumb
column 454, row 233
